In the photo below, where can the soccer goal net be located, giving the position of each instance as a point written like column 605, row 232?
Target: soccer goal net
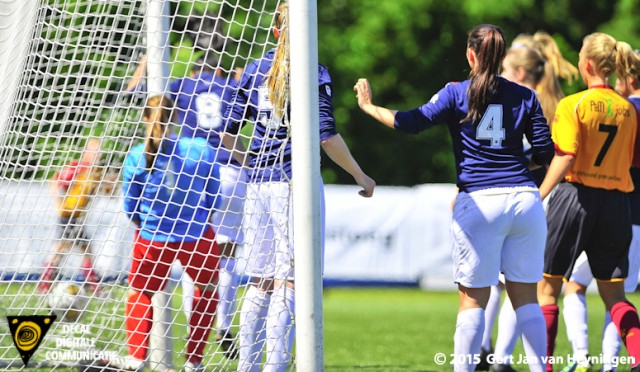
column 75, row 76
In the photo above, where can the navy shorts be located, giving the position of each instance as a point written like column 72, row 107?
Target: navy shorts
column 593, row 220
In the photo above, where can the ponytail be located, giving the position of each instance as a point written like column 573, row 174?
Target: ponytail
column 157, row 113
column 488, row 44
column 549, row 92
column 540, row 73
column 278, row 75
column 561, row 67
column 627, row 61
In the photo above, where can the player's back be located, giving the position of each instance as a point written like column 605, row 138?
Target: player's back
column 489, row 152
column 599, row 127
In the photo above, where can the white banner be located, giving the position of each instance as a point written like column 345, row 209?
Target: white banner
column 401, row 235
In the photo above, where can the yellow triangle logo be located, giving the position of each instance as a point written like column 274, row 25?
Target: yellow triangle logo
column 28, row 332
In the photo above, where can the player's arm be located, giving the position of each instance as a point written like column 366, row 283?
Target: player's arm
column 138, row 75
column 234, row 143
column 558, row 168
column 235, row 115
column 565, row 136
column 381, row 114
column 337, row 150
column 131, row 189
column 212, row 176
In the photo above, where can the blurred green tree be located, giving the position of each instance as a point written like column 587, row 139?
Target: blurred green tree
column 410, row 49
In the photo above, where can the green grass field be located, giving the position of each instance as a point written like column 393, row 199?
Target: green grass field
column 371, row 329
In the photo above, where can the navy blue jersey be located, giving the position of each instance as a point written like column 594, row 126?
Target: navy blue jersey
column 634, row 198
column 488, row 153
column 270, row 148
column 202, row 102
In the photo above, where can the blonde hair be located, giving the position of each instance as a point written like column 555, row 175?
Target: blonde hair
column 157, row 112
column 563, row 68
column 542, row 41
column 548, row 88
column 608, row 55
column 278, row 75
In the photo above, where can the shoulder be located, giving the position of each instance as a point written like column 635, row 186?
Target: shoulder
column 512, row 89
column 323, row 75
column 135, row 158
column 194, row 148
column 571, row 101
column 451, row 91
column 176, row 84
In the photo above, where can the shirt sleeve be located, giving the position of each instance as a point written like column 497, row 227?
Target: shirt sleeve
column 636, row 149
column 213, row 181
column 237, row 109
column 437, row 111
column 565, row 130
column 327, row 121
column 539, row 135
column 131, row 188
column 174, row 89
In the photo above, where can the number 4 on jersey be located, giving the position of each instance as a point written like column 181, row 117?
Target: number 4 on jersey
column 490, row 127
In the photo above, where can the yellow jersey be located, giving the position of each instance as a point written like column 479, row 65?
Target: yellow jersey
column 77, row 184
column 598, row 127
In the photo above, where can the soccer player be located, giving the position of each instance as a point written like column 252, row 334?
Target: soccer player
column 529, row 65
column 201, row 100
column 575, row 306
column 263, row 97
column 73, row 188
column 498, row 219
column 594, row 132
column 170, row 187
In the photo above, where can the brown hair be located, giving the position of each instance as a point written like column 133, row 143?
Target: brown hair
column 487, row 42
column 278, row 75
column 541, row 73
column 157, row 113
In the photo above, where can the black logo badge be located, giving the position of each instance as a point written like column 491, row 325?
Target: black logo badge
column 28, row 331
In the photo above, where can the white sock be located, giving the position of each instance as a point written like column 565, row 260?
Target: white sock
column 280, row 329
column 508, row 333
column 575, row 318
column 188, row 292
column 251, row 335
column 534, row 335
column 611, row 343
column 468, row 338
column 490, row 315
column 227, row 288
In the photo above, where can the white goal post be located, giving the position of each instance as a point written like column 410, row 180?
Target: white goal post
column 76, row 71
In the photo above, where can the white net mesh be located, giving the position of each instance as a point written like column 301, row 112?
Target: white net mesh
column 62, row 223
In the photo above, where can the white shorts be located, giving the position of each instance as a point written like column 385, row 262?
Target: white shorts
column 227, row 218
column 268, row 230
column 581, row 273
column 495, row 233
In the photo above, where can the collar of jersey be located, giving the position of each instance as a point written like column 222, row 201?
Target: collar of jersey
column 604, row 86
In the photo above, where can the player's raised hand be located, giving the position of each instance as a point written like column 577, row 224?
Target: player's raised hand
column 363, row 92
column 381, row 114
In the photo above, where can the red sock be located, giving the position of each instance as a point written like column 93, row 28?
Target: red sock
column 550, row 313
column 139, row 318
column 196, row 294
column 200, row 325
column 625, row 316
